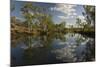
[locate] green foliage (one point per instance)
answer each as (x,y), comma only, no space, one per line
(38,21)
(89,13)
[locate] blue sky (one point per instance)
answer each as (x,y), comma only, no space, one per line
(60,12)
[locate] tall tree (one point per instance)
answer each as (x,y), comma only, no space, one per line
(32,14)
(27,15)
(89,14)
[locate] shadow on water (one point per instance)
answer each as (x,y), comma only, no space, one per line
(50,49)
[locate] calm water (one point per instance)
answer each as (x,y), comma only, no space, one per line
(50,49)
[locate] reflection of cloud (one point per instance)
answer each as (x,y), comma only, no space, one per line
(74,48)
(33,45)
(66,54)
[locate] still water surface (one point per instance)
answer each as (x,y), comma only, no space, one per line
(50,49)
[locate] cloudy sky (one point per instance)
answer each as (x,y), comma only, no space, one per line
(60,12)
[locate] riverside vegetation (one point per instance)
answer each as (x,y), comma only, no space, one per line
(39,22)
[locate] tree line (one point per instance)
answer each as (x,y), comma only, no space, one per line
(38,21)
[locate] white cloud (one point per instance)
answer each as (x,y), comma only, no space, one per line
(63,17)
(68,10)
(64,8)
(74,14)
(82,18)
(20,18)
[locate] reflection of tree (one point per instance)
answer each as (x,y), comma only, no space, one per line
(65,54)
(16,39)
(37,47)
(13,60)
(28,53)
(90,48)
(30,41)
(81,50)
(36,54)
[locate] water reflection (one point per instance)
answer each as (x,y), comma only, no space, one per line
(55,48)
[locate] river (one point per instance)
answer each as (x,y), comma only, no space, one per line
(51,49)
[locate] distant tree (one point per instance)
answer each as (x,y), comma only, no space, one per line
(78,21)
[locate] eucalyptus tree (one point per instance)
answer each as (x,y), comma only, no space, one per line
(83,25)
(61,26)
(27,15)
(48,24)
(35,15)
(89,14)
(30,13)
